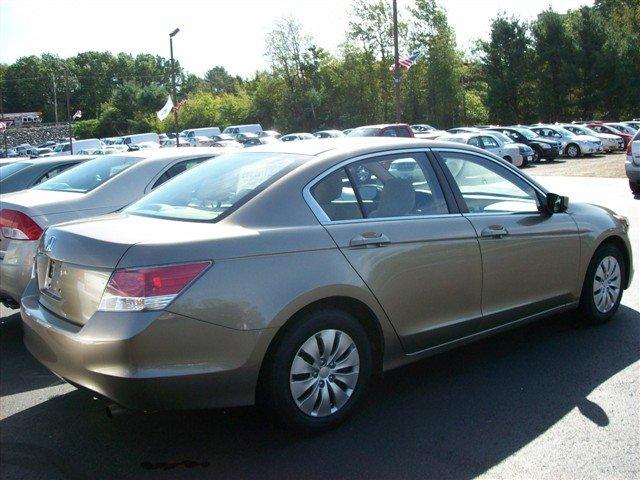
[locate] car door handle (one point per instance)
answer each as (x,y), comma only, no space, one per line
(494,231)
(369,239)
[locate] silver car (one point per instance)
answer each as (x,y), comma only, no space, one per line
(573,145)
(292,274)
(610,142)
(491,142)
(103,185)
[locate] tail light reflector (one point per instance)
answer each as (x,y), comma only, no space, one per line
(18,226)
(148,288)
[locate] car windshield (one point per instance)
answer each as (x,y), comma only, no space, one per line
(528,134)
(207,191)
(624,128)
(89,175)
(7,170)
(564,132)
(363,132)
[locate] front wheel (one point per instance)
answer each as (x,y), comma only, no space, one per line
(635,187)
(573,150)
(603,284)
(319,371)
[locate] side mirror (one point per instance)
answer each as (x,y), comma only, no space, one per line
(557,203)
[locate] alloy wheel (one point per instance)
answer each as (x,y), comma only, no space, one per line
(572,151)
(606,284)
(324,373)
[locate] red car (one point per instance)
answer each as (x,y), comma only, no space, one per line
(384,130)
(603,128)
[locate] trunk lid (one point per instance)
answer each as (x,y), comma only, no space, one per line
(40,202)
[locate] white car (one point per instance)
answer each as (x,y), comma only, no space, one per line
(487,141)
(96,187)
(525,152)
(423,130)
(632,164)
(78,145)
(573,145)
(293,137)
(610,142)
(138,138)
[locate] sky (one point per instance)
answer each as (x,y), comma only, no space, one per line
(212,32)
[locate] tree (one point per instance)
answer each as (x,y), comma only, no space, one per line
(554,57)
(218,80)
(507,61)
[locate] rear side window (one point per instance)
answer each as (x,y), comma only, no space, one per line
(7,170)
(177,169)
(384,187)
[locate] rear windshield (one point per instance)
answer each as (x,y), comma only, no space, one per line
(208,190)
(6,170)
(89,175)
(363,132)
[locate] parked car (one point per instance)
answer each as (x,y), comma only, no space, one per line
(422,130)
(30,172)
(347,131)
(235,129)
(291,137)
(610,142)
(635,124)
(543,148)
(45,152)
(102,185)
(269,133)
(623,128)
(384,130)
(78,145)
(526,155)
(485,140)
(243,137)
(602,128)
(198,132)
(329,134)
(347,279)
(8,153)
(573,145)
(252,142)
(632,164)
(463,130)
(139,138)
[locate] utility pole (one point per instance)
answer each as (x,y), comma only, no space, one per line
(55,96)
(396,70)
(173,85)
(2,120)
(66,87)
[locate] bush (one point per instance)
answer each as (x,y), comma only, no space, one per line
(85,129)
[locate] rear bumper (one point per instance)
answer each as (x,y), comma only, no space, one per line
(148,360)
(15,268)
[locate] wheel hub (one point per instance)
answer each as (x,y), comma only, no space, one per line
(324,373)
(606,284)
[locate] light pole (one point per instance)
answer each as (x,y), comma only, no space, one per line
(173,85)
(396,70)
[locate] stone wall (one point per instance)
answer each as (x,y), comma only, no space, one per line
(33,135)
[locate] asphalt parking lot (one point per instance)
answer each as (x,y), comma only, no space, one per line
(549,400)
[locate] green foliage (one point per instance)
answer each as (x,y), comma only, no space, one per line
(85,128)
(582,64)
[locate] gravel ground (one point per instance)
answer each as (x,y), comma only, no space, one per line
(610,165)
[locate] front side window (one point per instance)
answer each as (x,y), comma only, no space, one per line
(488,187)
(206,192)
(88,175)
(475,141)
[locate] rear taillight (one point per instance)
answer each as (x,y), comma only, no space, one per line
(148,288)
(18,226)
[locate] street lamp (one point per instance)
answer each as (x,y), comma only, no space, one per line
(173,85)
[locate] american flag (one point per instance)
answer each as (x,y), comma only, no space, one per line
(406,62)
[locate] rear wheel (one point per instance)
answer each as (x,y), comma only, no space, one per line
(603,284)
(319,371)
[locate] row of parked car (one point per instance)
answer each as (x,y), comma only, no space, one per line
(147,277)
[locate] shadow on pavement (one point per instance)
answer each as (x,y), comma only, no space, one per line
(454,415)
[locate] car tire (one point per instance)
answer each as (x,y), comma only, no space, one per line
(592,309)
(537,155)
(572,150)
(635,187)
(302,361)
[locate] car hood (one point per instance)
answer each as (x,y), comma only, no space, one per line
(40,202)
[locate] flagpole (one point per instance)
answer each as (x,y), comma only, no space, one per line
(396,70)
(173,85)
(66,86)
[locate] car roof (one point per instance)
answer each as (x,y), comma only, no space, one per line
(383,125)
